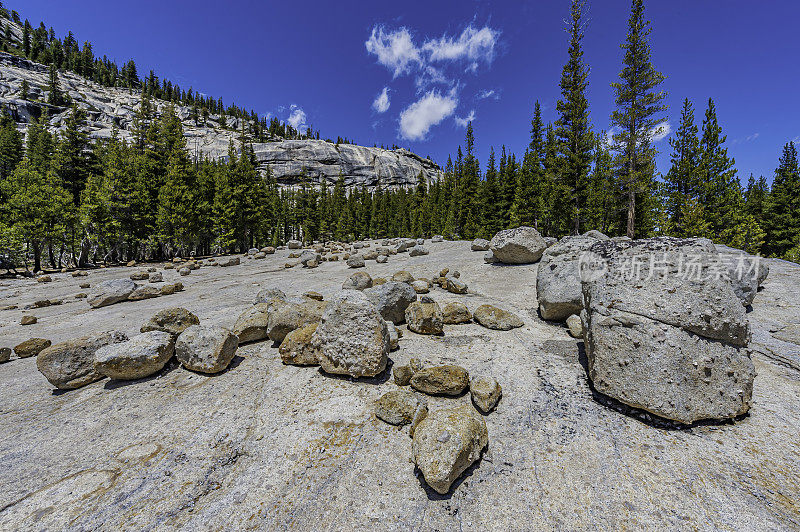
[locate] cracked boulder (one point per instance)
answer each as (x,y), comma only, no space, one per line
(69,365)
(659,339)
(558,280)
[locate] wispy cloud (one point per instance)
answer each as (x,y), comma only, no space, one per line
(418,118)
(297,118)
(394,49)
(381,103)
(462,122)
(660,132)
(473,45)
(488,93)
(752,137)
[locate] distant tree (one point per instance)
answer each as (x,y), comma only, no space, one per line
(783,206)
(638,113)
(683,178)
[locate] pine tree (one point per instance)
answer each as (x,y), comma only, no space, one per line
(71,162)
(54,97)
(10,146)
(572,128)
(638,113)
(720,188)
(470,181)
(527,208)
(683,177)
(783,206)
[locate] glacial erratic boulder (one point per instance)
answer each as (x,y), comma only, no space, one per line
(137,358)
(290,315)
(425,316)
(111,292)
(496,318)
(297,348)
(398,407)
(558,279)
(523,245)
(665,339)
(358,281)
(352,337)
(446,443)
(172,320)
(69,365)
(392,299)
(206,348)
(441,380)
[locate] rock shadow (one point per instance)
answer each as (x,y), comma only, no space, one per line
(114,384)
(381,378)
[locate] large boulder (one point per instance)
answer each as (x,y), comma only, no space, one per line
(392,299)
(425,316)
(111,292)
(253,324)
(446,443)
(355,261)
(523,245)
(746,273)
(139,357)
(171,320)
(291,315)
(297,348)
(352,338)
(558,280)
(664,337)
(206,348)
(69,365)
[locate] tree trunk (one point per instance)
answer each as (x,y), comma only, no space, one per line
(86,247)
(37,257)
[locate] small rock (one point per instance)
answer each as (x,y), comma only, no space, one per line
(489,258)
(485,393)
(44,279)
(111,292)
(437,238)
(456,286)
(206,348)
(398,407)
(358,281)
(382,259)
(418,251)
(140,275)
(403,374)
(28,320)
(184,271)
(455,314)
(140,357)
(446,443)
(171,288)
(441,380)
(32,347)
(80,273)
(144,292)
(424,317)
(5,354)
(575,326)
(42,303)
(228,261)
(156,277)
(316,296)
(420,287)
(81,295)
(495,318)
(294,244)
(84,286)
(403,277)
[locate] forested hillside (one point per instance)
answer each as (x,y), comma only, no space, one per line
(65,198)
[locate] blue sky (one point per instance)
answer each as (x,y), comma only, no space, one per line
(412,72)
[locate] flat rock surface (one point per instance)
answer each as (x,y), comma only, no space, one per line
(269,446)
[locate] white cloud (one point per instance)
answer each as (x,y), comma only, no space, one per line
(381,103)
(660,132)
(297,118)
(753,137)
(462,122)
(418,118)
(473,45)
(486,93)
(395,50)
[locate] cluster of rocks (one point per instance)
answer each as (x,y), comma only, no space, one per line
(116,291)
(170,333)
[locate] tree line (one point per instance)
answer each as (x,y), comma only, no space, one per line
(65,200)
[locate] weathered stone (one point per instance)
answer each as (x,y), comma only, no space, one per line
(456,313)
(495,318)
(446,443)
(294,244)
(44,279)
(253,324)
(358,281)
(485,392)
(424,316)
(155,277)
(28,320)
(480,244)
(84,285)
(352,337)
(597,235)
(558,280)
(394,335)
(206,348)
(111,292)
(523,245)
(268,294)
(355,261)
(421,287)
(403,277)
(70,364)
(171,288)
(575,326)
(144,292)
(665,342)
(139,357)
(455,286)
(392,299)
(297,348)
(418,251)
(5,354)
(382,259)
(441,380)
(290,316)
(141,275)
(31,347)
(308,256)
(398,407)
(437,238)
(172,320)
(316,296)
(228,261)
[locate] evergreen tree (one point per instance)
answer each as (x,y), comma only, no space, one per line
(572,128)
(470,181)
(10,146)
(783,206)
(720,189)
(637,115)
(683,177)
(528,205)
